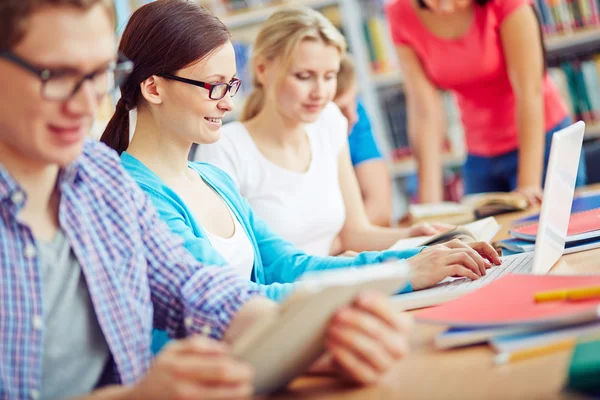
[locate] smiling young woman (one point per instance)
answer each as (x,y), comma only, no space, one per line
(180,100)
(289,154)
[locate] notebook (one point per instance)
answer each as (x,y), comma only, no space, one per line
(582,226)
(582,202)
(507,343)
(458,337)
(513,246)
(509,302)
(554,220)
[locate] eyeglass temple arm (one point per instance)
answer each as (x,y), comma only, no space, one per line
(19,61)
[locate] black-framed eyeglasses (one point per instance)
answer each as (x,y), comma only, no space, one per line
(216,91)
(60,85)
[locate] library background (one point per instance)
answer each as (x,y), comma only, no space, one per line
(571,34)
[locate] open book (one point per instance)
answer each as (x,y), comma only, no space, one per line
(479,231)
(285,344)
(471,207)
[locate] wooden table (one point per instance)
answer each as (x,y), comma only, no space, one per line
(467,373)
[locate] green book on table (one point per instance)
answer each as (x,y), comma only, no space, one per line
(584,371)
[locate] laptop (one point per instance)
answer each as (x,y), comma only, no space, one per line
(559,189)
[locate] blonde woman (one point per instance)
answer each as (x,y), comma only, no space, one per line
(289,154)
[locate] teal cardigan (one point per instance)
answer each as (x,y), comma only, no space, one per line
(277,263)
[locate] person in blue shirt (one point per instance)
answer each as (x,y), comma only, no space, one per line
(182,100)
(369,165)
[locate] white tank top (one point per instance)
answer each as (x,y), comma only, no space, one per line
(306,208)
(236,250)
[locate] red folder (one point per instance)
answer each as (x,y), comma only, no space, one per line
(582,226)
(509,302)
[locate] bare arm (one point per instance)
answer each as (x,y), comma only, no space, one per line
(425,125)
(375,185)
(524,59)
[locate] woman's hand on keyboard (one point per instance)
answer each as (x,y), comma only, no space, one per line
(454,258)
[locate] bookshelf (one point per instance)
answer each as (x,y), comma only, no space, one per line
(563,42)
(559,47)
(592,131)
(255,16)
(389,78)
(555,44)
(408,166)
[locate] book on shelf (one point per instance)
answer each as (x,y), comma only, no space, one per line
(578,81)
(567,16)
(394,107)
(375,30)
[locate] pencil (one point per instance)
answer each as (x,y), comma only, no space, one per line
(526,354)
(583,293)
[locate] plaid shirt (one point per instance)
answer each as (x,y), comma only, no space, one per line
(135,269)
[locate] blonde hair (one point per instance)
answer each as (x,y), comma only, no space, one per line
(279,36)
(346,76)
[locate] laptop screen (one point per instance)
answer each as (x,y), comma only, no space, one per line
(559,188)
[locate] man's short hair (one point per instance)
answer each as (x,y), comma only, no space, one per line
(346,76)
(14,15)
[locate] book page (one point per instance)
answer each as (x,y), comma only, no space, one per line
(483,231)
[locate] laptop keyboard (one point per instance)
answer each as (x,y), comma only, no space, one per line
(517,264)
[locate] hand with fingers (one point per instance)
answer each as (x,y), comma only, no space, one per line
(195,368)
(533,194)
(428,229)
(366,337)
(454,258)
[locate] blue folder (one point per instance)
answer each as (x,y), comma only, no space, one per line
(516,246)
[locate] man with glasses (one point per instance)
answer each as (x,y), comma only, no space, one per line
(87,268)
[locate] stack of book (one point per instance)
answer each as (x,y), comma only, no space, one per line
(521,316)
(583,233)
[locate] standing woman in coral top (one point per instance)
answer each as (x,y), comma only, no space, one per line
(490,55)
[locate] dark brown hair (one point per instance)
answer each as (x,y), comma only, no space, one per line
(15,13)
(161,37)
